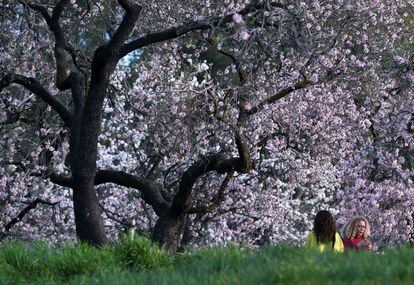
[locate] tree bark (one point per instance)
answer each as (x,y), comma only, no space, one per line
(169,229)
(88,217)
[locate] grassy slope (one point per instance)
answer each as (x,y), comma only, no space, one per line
(137,262)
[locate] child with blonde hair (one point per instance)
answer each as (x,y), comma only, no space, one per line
(355,234)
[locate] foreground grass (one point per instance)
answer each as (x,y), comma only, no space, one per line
(138,262)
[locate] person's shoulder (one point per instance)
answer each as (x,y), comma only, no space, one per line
(311,240)
(338,237)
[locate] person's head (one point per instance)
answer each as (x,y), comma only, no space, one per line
(358,227)
(324,227)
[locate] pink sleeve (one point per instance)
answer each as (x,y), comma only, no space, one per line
(347,242)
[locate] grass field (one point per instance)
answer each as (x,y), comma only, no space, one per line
(139,262)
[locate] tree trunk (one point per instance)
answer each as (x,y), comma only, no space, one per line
(88,218)
(169,229)
(187,234)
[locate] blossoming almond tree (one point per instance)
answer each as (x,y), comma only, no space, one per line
(88,90)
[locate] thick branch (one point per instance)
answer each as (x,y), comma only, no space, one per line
(149,192)
(62,180)
(39,8)
(181,202)
(57,12)
(181,30)
(243,150)
(62,79)
(127,25)
(36,88)
(108,55)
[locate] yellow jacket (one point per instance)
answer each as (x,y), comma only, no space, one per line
(311,243)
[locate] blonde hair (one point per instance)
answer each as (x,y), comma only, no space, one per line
(349,229)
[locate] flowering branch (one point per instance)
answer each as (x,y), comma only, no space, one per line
(23,213)
(183,29)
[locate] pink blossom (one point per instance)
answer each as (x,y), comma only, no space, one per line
(237,18)
(244,35)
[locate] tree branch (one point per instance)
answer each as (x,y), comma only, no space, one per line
(241,143)
(115,217)
(59,179)
(217,200)
(36,88)
(243,150)
(221,164)
(39,8)
(62,79)
(23,213)
(181,30)
(127,25)
(282,93)
(149,192)
(109,54)
(75,54)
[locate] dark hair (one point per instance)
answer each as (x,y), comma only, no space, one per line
(324,227)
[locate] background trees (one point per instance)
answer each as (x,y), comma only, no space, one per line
(233,121)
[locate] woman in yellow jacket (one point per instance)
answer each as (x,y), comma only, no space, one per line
(324,236)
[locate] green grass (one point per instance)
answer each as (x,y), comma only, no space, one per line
(139,262)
